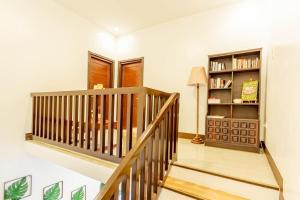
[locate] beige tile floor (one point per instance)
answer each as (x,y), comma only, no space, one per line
(239,164)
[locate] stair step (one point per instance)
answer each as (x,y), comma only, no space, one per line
(197,191)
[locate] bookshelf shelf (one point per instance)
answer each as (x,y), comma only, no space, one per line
(239,127)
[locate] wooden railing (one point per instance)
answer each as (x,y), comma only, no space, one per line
(146,165)
(100,123)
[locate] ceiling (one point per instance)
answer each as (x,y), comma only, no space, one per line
(123,16)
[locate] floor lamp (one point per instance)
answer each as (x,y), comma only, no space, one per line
(197,78)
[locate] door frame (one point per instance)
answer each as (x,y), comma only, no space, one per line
(103,59)
(130,61)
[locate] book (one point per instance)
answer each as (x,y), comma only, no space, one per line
(228,84)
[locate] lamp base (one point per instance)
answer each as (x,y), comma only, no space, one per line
(197,140)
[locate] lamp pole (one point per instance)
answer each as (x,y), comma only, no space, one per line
(197,139)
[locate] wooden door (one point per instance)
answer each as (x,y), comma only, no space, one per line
(100,71)
(131,74)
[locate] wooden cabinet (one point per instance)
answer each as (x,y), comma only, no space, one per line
(238,132)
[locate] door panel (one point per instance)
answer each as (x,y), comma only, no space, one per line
(131,75)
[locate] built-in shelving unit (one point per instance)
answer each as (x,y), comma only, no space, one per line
(239,129)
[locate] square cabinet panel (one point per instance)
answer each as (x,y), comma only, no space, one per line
(252,133)
(225,138)
(211,122)
(235,132)
(210,136)
(252,141)
(218,130)
(211,129)
(225,130)
(235,124)
(243,125)
(217,137)
(218,123)
(243,132)
(235,139)
(225,123)
(243,140)
(252,125)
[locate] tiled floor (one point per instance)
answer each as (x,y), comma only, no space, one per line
(238,164)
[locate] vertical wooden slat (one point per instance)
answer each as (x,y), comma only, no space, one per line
(171,131)
(176,127)
(45,118)
(149,109)
(49,117)
(69,120)
(87,139)
(149,171)
(129,122)
(58,119)
(141,113)
(155,158)
(34,115)
(110,124)
(41,116)
(75,121)
(124,188)
(81,120)
(162,149)
(94,123)
(133,181)
(142,175)
(102,123)
(63,119)
(120,125)
(167,141)
(53,121)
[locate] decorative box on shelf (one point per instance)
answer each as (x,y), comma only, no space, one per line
(213,101)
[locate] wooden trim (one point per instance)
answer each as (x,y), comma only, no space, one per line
(275,170)
(232,146)
(226,176)
(129,61)
(28,136)
(185,135)
(104,59)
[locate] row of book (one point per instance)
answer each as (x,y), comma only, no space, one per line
(245,63)
(217,66)
(217,83)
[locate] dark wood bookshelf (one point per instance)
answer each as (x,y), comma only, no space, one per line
(239,129)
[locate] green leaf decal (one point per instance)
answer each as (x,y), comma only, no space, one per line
(79,195)
(17,190)
(53,193)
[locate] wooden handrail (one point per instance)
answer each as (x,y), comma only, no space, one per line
(101,123)
(163,130)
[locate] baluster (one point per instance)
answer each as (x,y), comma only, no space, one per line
(49,117)
(41,116)
(94,123)
(156,151)
(120,126)
(102,123)
(75,122)
(133,181)
(149,109)
(167,141)
(69,121)
(176,127)
(110,124)
(141,113)
(58,115)
(53,125)
(63,119)
(81,121)
(162,149)
(45,118)
(142,175)
(87,138)
(149,171)
(33,115)
(124,188)
(129,123)
(171,131)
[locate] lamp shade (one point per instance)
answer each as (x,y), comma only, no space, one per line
(197,76)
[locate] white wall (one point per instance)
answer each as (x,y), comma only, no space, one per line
(283,94)
(42,47)
(173,48)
